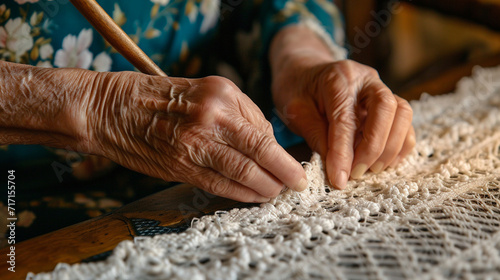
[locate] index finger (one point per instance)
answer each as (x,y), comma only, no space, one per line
(263,149)
(381,105)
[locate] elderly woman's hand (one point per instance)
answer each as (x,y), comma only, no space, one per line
(342,108)
(201,131)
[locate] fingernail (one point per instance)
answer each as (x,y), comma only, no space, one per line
(302,185)
(341,180)
(377,167)
(262,199)
(359,170)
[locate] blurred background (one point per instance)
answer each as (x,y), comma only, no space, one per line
(411,42)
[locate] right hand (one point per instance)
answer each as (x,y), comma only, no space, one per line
(200,131)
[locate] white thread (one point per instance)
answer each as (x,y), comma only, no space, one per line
(436,216)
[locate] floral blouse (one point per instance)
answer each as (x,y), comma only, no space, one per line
(189,38)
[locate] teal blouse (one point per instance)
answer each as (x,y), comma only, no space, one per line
(189,38)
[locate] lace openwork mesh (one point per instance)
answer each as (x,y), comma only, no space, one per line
(436,216)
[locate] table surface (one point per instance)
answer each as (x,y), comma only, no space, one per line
(166,211)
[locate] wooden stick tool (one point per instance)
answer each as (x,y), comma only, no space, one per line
(116,37)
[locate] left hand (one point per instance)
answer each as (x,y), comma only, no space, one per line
(344,112)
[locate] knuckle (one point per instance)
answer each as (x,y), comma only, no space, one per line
(215,80)
(257,143)
(374,149)
(268,128)
(386,100)
(345,121)
(219,85)
(334,73)
(352,67)
(372,72)
(337,82)
(217,93)
(347,63)
(265,148)
(195,156)
(405,108)
(207,153)
(342,156)
(360,68)
(219,187)
(245,172)
(341,75)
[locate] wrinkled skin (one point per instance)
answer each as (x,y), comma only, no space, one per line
(200,131)
(342,108)
(206,131)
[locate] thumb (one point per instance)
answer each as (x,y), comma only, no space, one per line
(304,119)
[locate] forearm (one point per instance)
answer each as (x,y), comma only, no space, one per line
(295,44)
(40,105)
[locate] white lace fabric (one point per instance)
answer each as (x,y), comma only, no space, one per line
(436,216)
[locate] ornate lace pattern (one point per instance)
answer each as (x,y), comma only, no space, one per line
(437,216)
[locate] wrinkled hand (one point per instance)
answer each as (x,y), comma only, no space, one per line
(346,113)
(201,131)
